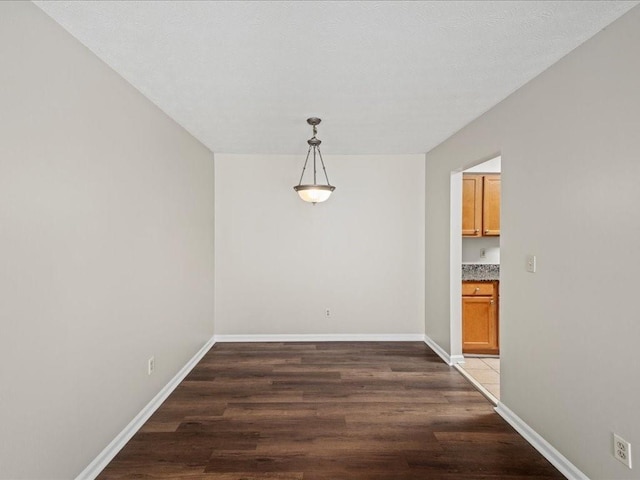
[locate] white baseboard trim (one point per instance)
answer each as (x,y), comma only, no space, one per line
(111,450)
(547,450)
(322,337)
(488,395)
(448,359)
(456,359)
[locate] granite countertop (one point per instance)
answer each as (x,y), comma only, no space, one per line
(480,272)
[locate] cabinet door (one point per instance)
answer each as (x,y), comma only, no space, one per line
(479,325)
(471,205)
(491,205)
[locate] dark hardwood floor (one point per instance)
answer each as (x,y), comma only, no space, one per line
(327,411)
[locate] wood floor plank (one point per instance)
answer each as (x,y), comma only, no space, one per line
(327,411)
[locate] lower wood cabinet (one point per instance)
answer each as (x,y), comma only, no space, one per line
(480,318)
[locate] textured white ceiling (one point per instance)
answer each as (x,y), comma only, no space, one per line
(385,77)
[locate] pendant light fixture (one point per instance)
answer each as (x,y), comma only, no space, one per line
(314,192)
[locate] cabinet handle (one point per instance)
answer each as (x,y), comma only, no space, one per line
(486,231)
(476,231)
(491,302)
(477,289)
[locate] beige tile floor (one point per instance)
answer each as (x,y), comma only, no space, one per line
(486,371)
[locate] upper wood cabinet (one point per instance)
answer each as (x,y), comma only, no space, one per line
(480,205)
(471,205)
(491,205)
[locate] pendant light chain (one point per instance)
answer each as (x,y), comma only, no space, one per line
(305,165)
(324,168)
(314,163)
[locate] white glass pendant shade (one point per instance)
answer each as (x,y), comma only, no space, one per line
(314,193)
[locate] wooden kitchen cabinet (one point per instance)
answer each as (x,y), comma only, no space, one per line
(480,318)
(472,205)
(480,205)
(491,205)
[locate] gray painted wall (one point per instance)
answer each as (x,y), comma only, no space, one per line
(106,234)
(280,262)
(569,333)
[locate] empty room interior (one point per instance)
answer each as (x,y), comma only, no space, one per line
(236,242)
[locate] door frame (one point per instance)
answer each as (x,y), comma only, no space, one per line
(455,258)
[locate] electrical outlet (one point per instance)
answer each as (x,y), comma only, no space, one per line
(531,263)
(327,313)
(483,253)
(622,450)
(151,365)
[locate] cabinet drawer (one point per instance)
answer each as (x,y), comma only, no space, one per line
(477,288)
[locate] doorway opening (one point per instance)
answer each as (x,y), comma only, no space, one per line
(475,274)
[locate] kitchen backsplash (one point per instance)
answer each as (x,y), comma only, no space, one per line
(471,250)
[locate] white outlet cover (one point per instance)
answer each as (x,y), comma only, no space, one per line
(622,450)
(531,263)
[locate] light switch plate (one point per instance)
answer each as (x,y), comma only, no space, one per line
(531,263)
